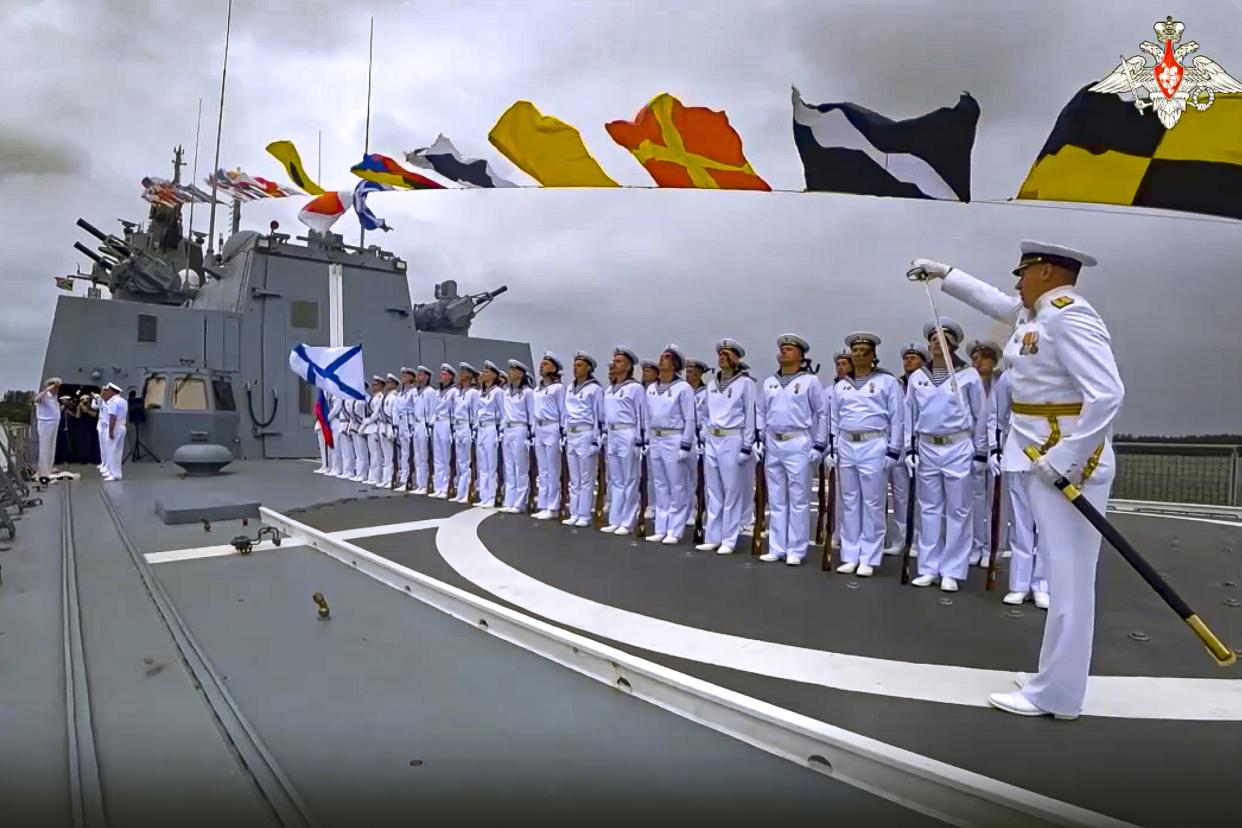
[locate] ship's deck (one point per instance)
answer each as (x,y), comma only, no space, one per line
(345,706)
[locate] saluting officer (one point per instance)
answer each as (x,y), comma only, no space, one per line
(728,417)
(625,423)
(791,413)
(1066,393)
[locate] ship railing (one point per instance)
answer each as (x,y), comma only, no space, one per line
(1199,474)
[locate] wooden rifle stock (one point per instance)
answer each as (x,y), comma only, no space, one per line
(700,505)
(500,470)
(761,507)
(996,528)
(472,494)
(601,480)
(452,472)
(821,518)
(564,513)
(905,551)
(830,521)
(642,493)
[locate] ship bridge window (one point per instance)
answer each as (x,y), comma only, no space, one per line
(306,398)
(148,325)
(153,391)
(222,390)
(304,314)
(189,394)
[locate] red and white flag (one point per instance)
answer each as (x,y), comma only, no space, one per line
(321,212)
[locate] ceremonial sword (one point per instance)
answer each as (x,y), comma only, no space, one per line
(919,274)
(1222,655)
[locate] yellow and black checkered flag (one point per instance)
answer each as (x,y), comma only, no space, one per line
(1103,150)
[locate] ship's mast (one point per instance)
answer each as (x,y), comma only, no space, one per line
(198,131)
(366,141)
(224,71)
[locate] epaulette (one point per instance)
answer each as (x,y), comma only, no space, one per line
(1062,302)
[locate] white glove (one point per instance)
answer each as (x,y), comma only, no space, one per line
(743,458)
(817,456)
(924,269)
(830,461)
(642,449)
(890,461)
(759,451)
(912,462)
(603,439)
(683,455)
(1044,470)
(994,468)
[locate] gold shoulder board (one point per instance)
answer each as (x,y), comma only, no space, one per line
(1062,302)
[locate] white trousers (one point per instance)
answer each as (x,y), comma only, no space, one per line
(441,445)
(836,523)
(787,466)
(323,448)
(583,459)
(47,444)
(622,460)
(488,462)
(548,455)
(672,498)
(344,453)
(1025,563)
(899,482)
(980,515)
(404,438)
(860,479)
(362,457)
(945,495)
(1070,547)
(726,488)
(517,467)
(116,452)
(375,459)
(421,441)
(464,440)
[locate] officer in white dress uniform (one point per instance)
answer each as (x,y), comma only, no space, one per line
(518,417)
(950,438)
(791,414)
(843,363)
(1026,565)
(441,411)
(423,411)
(407,399)
(696,369)
(583,427)
(670,438)
(112,415)
(983,357)
(650,370)
(868,422)
(465,425)
(913,357)
(388,431)
(625,423)
(47,420)
(728,428)
(1066,393)
(487,434)
(549,438)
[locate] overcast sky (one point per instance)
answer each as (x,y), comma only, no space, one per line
(98,92)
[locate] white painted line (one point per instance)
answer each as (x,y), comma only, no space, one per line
(387,529)
(940,790)
(1127,697)
(221,550)
(1214,521)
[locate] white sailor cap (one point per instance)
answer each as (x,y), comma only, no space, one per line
(376,378)
(114,387)
(915,348)
(422,369)
(444,366)
(466,366)
(585,357)
(52,381)
(406,370)
(733,345)
(952,331)
(700,364)
(627,353)
(846,355)
(650,363)
(521,366)
(862,336)
(984,345)
(391,377)
(488,365)
(554,359)
(1035,252)
(794,340)
(678,357)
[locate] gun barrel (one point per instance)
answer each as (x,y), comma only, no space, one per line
(90,254)
(498,291)
(92,229)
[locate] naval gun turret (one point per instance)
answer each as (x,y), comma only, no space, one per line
(452,313)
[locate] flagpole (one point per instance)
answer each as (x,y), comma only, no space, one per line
(319,174)
(224,71)
(366,145)
(198,131)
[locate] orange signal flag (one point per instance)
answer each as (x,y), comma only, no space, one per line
(687,146)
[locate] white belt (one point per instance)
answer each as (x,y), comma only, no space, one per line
(461,422)
(515,424)
(782,436)
(666,432)
(548,422)
(578,429)
(944,439)
(861,436)
(621,426)
(724,432)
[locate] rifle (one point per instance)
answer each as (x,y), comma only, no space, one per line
(500,470)
(532,499)
(700,506)
(473,493)
(825,564)
(431,459)
(905,552)
(996,527)
(642,494)
(452,471)
(564,513)
(601,480)
(821,518)
(761,507)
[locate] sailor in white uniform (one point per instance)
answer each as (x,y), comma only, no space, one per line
(950,438)
(696,369)
(440,410)
(984,357)
(1026,565)
(336,465)
(465,425)
(670,430)
(868,428)
(362,456)
(728,428)
(583,427)
(407,398)
(913,357)
(625,423)
(47,421)
(843,363)
(791,413)
(422,411)
(1066,393)
(371,430)
(518,418)
(549,439)
(113,411)
(488,415)
(650,371)
(388,431)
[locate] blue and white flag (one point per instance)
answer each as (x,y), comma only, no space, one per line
(366,218)
(443,158)
(334,370)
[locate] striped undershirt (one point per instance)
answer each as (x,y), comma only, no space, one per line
(785,379)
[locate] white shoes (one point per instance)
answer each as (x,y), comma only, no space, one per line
(655,538)
(1042,600)
(948,584)
(724,550)
(321,471)
(622,530)
(707,547)
(1015,598)
(583,523)
(670,539)
(609,529)
(569,521)
(865,570)
(1019,705)
(543,515)
(847,568)
(924,581)
(895,549)
(793,561)
(770,557)
(1020,679)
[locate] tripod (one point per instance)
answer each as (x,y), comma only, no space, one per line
(135,452)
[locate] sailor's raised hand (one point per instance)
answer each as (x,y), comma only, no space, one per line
(922,270)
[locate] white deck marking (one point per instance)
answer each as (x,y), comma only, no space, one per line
(1127,697)
(221,550)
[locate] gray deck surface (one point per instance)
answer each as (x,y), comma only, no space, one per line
(1149,772)
(345,705)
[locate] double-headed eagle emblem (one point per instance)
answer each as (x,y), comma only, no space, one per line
(1170,85)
